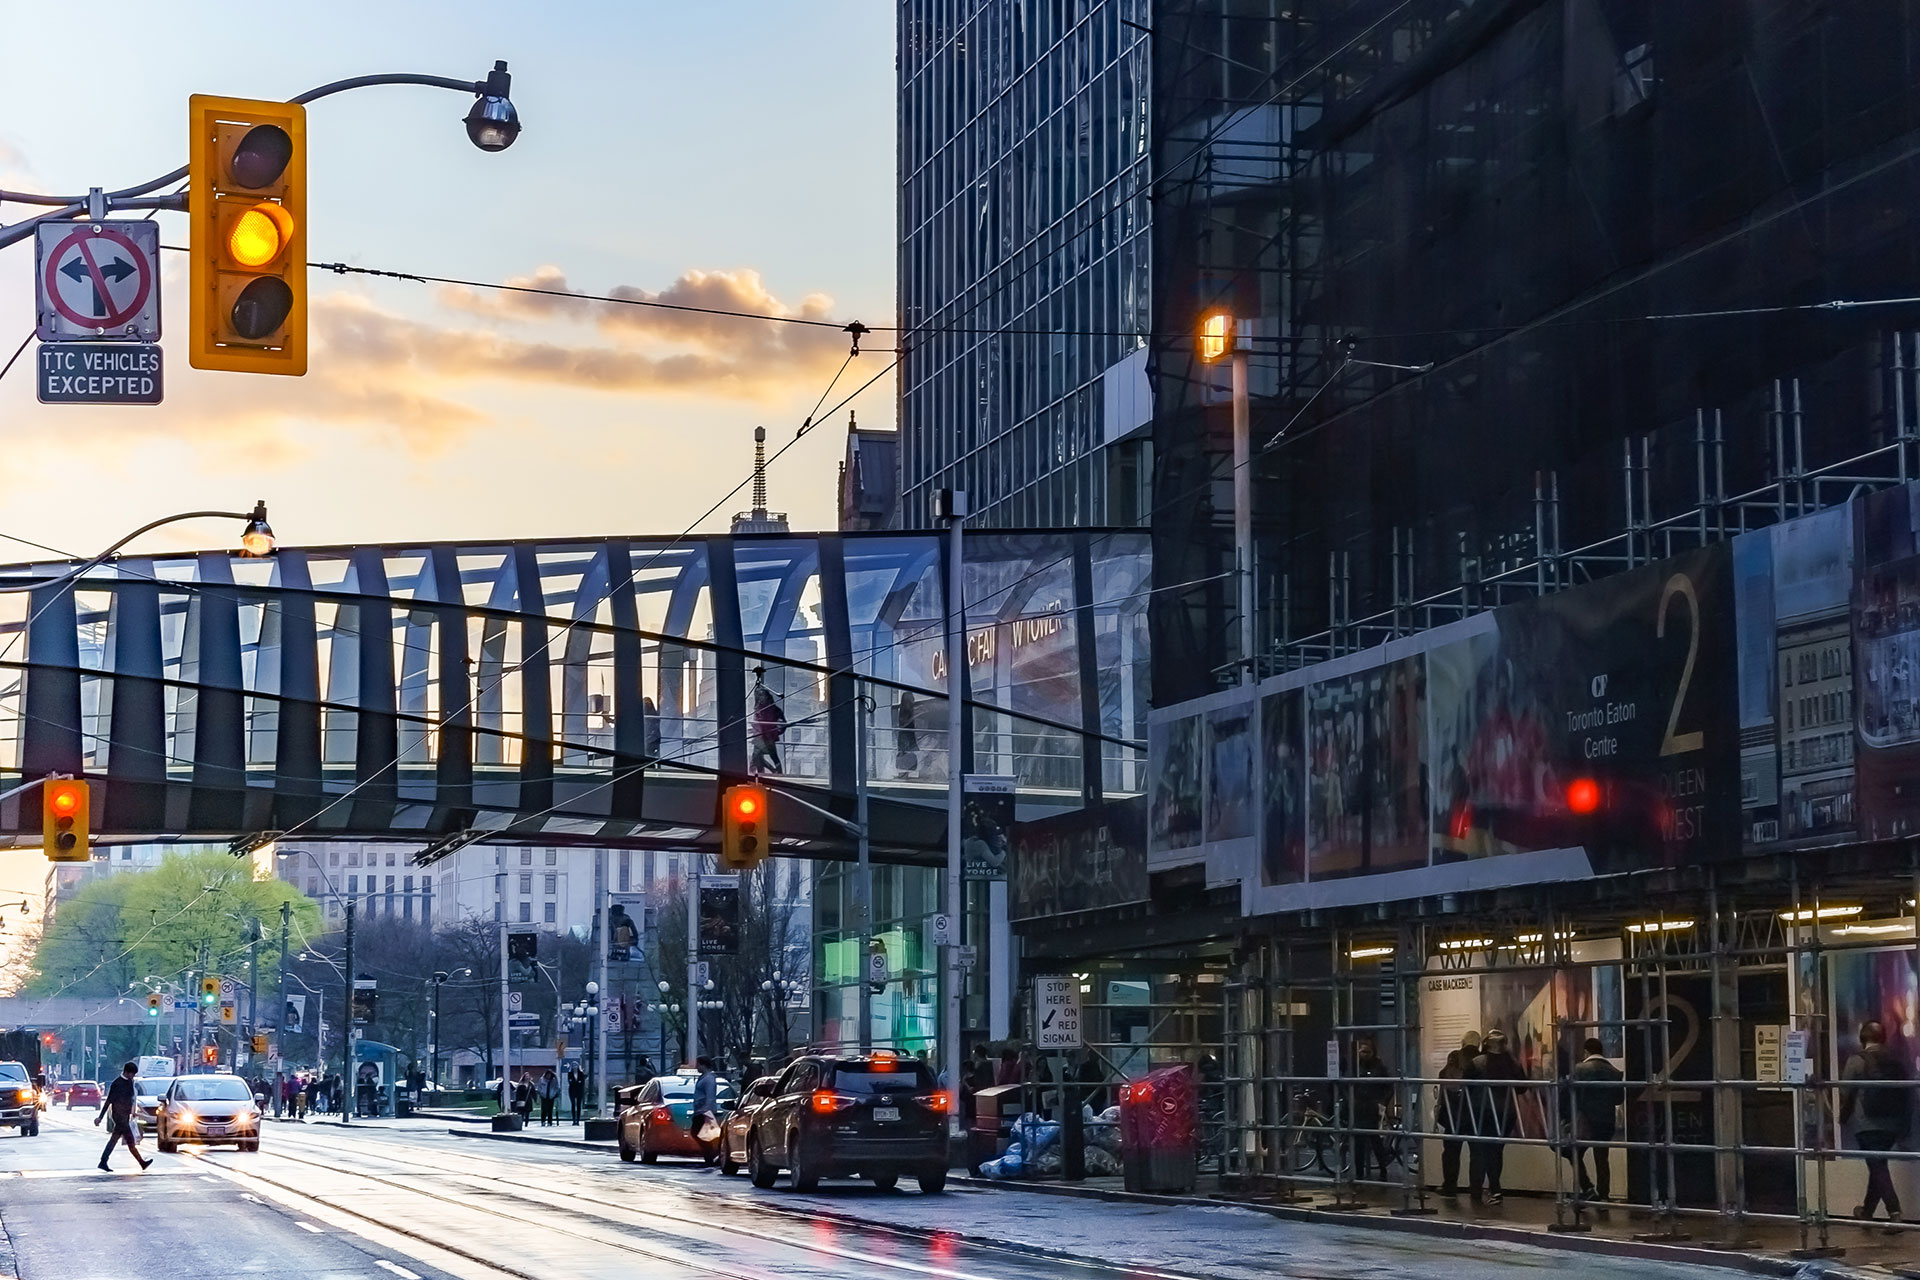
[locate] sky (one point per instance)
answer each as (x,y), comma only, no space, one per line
(737,155)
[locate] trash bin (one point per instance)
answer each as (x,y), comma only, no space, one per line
(994,1108)
(1160,1131)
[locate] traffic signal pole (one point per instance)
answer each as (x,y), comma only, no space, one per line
(280,1014)
(863,876)
(347,1090)
(955,503)
(694,864)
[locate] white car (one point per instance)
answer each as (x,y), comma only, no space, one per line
(147,1094)
(211,1109)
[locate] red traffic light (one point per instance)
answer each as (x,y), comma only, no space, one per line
(746,804)
(1583,795)
(64,799)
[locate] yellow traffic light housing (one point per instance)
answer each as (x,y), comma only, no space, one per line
(209,990)
(65,820)
(153,1004)
(247,206)
(259,1043)
(743,827)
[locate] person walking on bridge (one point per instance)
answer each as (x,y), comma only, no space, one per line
(119,1104)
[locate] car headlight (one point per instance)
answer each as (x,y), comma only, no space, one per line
(185,1117)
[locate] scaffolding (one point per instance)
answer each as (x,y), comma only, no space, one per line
(1723,1127)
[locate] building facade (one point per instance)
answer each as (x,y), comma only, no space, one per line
(1024,263)
(1583,521)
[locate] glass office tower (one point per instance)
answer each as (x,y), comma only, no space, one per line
(1023,274)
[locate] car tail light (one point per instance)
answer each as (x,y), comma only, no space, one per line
(662,1115)
(826,1102)
(937,1101)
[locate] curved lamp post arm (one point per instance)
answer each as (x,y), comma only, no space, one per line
(495,85)
(258,513)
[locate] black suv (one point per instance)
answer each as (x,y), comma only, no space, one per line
(833,1115)
(19,1100)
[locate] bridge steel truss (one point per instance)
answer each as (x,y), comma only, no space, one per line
(583,691)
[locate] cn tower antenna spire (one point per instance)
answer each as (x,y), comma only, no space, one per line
(760,473)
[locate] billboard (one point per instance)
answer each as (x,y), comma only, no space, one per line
(986,818)
(1080,860)
(1828,620)
(719,915)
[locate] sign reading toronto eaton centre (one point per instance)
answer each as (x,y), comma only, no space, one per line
(99,373)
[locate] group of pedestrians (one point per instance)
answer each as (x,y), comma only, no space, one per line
(544,1092)
(1479,1109)
(304,1091)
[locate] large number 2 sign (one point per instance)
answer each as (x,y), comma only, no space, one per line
(1680,586)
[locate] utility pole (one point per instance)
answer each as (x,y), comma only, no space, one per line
(200,1004)
(253,986)
(954,508)
(603,901)
(863,877)
(280,1016)
(347,1089)
(695,864)
(506,1035)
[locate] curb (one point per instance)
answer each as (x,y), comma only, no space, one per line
(1757,1263)
(573,1143)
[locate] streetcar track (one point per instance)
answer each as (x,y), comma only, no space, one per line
(618,1235)
(920,1234)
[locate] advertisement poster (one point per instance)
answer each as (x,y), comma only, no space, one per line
(295,1019)
(719,915)
(623,929)
(1079,861)
(986,826)
(1886,645)
(1876,986)
(1230,748)
(1367,780)
(1283,777)
(1626,684)
(1175,759)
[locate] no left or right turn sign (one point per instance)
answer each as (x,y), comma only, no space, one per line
(97,280)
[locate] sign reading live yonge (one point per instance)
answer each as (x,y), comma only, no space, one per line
(1753,694)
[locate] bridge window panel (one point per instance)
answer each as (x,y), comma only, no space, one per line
(177,695)
(330,572)
(1121,579)
(494,646)
(339,642)
(689,729)
(405,574)
(416,663)
(895,614)
(91,610)
(480,574)
(1023,659)
(254,573)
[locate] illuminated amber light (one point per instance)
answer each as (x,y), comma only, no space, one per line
(1214,331)
(65,801)
(258,235)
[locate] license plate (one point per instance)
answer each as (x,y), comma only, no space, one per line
(216,1128)
(886,1113)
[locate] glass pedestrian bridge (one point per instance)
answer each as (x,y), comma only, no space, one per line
(594,691)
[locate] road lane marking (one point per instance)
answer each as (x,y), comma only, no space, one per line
(308,1226)
(397,1269)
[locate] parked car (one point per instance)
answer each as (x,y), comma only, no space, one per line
(739,1123)
(877,1116)
(656,1117)
(82,1093)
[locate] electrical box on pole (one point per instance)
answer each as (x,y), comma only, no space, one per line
(247,209)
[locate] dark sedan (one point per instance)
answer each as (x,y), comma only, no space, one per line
(734,1132)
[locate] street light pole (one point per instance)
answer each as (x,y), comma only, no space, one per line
(492,125)
(280,1015)
(953,508)
(1243,507)
(349,1089)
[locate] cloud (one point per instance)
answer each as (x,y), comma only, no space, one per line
(689,358)
(730,335)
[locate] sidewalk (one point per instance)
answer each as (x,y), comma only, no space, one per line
(1762,1248)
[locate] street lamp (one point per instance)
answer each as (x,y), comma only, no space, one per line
(492,124)
(440,977)
(256,540)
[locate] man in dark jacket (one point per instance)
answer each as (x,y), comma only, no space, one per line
(1453,1116)
(1880,1116)
(1597,1093)
(1494,1105)
(576,1091)
(1370,1092)
(119,1104)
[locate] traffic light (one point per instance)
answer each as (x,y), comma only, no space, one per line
(153,1004)
(209,990)
(210,1055)
(743,827)
(259,1042)
(247,206)
(65,819)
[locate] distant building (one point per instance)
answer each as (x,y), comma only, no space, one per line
(870,478)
